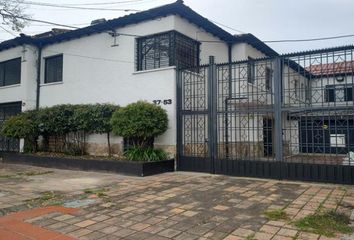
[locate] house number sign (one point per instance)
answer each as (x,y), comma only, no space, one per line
(163,102)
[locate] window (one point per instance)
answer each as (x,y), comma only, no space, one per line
(338,93)
(302,91)
(296,88)
(251,73)
(268,78)
(54,69)
(10,72)
(167,49)
(307,92)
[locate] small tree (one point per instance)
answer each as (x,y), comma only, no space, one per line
(103,125)
(56,121)
(140,122)
(22,126)
(95,118)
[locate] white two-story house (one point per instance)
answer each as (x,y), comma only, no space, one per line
(117,61)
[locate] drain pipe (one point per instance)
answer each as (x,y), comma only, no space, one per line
(39,64)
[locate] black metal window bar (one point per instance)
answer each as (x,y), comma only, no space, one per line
(295,121)
(167,49)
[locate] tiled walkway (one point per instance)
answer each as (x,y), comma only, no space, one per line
(178,206)
(14,227)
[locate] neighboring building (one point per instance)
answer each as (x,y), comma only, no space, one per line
(118,61)
(332,86)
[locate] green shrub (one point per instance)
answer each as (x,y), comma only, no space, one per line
(71,123)
(146,154)
(23,126)
(57,120)
(140,122)
(95,118)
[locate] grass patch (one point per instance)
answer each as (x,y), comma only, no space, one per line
(48,198)
(251,237)
(100,192)
(6,176)
(277,214)
(327,224)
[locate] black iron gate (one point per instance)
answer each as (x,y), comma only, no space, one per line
(7,110)
(288,117)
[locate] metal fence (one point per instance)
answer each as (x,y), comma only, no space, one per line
(7,110)
(288,117)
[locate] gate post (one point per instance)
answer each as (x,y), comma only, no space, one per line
(212,113)
(278,121)
(179,117)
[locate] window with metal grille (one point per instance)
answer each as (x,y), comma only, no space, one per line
(167,49)
(338,93)
(10,72)
(251,71)
(268,78)
(54,69)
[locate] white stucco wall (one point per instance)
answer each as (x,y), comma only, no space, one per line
(24,92)
(96,72)
(210,45)
(242,51)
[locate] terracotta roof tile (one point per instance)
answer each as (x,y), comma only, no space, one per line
(331,68)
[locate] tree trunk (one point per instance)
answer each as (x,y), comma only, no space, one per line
(109,144)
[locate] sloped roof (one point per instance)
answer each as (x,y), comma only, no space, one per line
(331,68)
(176,8)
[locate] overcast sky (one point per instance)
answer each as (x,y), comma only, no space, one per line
(266,19)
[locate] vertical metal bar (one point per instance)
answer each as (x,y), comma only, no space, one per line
(226,109)
(278,112)
(179,116)
(212,114)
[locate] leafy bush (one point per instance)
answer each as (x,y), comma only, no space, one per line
(95,118)
(57,120)
(22,126)
(148,154)
(140,122)
(71,124)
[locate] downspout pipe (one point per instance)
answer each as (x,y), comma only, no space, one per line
(39,64)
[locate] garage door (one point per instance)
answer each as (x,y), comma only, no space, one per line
(7,110)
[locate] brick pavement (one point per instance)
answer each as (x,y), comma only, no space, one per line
(178,206)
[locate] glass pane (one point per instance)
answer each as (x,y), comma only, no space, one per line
(12,71)
(54,69)
(2,79)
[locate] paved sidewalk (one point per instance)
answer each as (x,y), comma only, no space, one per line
(179,206)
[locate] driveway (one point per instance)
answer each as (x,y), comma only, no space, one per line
(41,203)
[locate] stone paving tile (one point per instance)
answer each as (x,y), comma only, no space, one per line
(181,206)
(85,223)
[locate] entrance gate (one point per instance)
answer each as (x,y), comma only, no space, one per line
(7,110)
(288,117)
